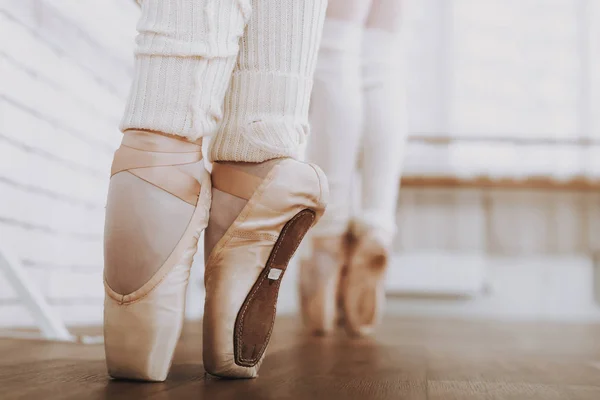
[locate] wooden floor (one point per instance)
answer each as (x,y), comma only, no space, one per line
(408,359)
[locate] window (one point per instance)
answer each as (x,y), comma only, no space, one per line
(504,88)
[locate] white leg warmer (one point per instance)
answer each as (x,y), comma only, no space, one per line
(336,119)
(185,53)
(266,106)
(385,129)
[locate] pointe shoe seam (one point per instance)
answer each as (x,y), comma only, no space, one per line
(232,231)
(228,236)
(254,235)
(146,288)
(149,158)
(328,298)
(172,159)
(163,152)
(164,270)
(158,187)
(147,291)
(320,183)
(243,215)
(258,284)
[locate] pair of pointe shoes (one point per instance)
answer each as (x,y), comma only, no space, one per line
(342,283)
(142,323)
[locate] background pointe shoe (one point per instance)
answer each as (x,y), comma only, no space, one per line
(320,279)
(363,292)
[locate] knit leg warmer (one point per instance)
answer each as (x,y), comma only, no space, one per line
(185,53)
(266,106)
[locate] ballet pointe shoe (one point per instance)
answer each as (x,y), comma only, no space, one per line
(142,323)
(320,278)
(244,270)
(363,294)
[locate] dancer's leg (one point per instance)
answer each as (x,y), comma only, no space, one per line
(185,54)
(382,155)
(336,117)
(159,193)
(264,199)
(337,108)
(266,106)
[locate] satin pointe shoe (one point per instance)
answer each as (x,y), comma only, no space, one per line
(362,290)
(158,204)
(244,269)
(320,280)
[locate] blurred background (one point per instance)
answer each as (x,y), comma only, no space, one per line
(499,211)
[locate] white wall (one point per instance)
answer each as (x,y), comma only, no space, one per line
(65,67)
(505,254)
(556,288)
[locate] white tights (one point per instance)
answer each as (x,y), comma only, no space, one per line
(358,114)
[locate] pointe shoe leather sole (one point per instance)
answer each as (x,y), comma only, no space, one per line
(254,323)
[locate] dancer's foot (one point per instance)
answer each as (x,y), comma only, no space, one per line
(250,241)
(320,279)
(363,295)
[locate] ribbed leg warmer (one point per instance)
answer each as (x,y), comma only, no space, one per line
(266,106)
(385,130)
(190,81)
(185,53)
(337,117)
(359,105)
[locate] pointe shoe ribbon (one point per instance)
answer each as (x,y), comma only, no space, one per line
(154,158)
